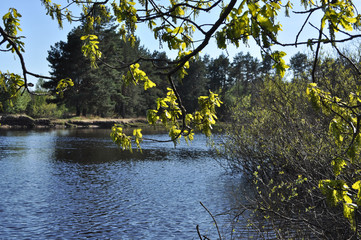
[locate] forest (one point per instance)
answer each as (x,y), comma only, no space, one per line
(104,92)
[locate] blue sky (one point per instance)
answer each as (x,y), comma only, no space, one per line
(42,32)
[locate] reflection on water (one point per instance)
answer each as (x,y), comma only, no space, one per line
(77,184)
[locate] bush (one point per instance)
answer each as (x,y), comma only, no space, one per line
(17,104)
(282,145)
(38,107)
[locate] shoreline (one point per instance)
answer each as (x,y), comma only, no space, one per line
(10,121)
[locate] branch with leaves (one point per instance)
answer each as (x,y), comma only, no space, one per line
(11,83)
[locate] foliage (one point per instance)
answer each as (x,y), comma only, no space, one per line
(17,104)
(10,86)
(124,141)
(194,84)
(90,49)
(299,64)
(344,187)
(39,107)
(295,153)
(218,73)
(136,75)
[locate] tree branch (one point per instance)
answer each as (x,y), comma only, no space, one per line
(214,220)
(208,36)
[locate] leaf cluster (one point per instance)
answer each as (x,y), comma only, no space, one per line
(345,131)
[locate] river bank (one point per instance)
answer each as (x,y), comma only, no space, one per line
(26,122)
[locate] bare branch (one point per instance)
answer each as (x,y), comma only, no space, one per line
(303,25)
(316,55)
(214,220)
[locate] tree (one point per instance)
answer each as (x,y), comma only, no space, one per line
(299,64)
(245,70)
(67,61)
(218,73)
(100,91)
(194,84)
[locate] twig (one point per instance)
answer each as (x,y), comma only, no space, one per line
(304,24)
(199,234)
(317,52)
(214,220)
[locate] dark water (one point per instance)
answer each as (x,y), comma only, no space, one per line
(71,184)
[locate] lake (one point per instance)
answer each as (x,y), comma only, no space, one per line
(71,184)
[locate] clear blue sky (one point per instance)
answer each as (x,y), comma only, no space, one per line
(42,32)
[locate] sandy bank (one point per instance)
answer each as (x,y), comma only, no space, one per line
(24,121)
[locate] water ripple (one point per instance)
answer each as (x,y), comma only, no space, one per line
(71,185)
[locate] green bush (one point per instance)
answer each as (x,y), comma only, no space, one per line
(17,104)
(38,107)
(283,145)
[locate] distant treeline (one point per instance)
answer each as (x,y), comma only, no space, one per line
(103,92)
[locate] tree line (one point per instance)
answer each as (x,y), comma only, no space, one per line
(104,92)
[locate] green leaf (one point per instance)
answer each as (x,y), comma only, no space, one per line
(338,165)
(120,138)
(279,63)
(349,213)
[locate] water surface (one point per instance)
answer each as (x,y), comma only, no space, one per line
(71,184)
